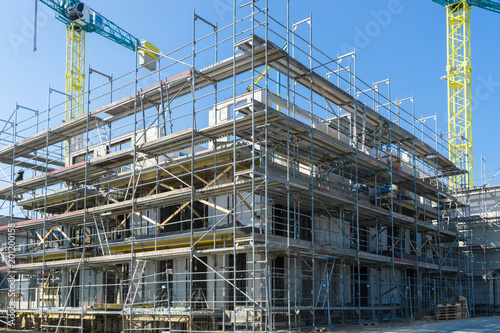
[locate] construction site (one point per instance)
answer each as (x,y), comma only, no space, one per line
(265,186)
(484,202)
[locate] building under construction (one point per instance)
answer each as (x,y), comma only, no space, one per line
(485,227)
(250,183)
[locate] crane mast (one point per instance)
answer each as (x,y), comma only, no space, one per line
(460,148)
(75,80)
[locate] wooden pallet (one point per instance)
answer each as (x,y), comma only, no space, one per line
(465,307)
(441,312)
(449,310)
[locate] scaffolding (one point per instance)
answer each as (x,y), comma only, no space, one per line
(485,226)
(241,186)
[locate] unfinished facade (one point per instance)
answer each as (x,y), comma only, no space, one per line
(243,186)
(485,244)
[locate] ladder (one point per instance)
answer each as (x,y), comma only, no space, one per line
(3,258)
(137,275)
(63,312)
(103,136)
(49,290)
(104,248)
(324,288)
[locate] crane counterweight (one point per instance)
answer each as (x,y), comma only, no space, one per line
(80,14)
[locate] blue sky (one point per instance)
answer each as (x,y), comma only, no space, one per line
(409,45)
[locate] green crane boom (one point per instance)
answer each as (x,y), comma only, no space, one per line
(75,12)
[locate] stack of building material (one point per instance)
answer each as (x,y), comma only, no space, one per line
(441,312)
(465,307)
(449,310)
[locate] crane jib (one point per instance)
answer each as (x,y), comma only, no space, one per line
(79,14)
(89,20)
(491,5)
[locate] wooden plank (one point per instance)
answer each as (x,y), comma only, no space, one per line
(119,225)
(70,206)
(195,212)
(409,240)
(208,203)
(187,203)
(167,186)
(175,213)
(43,241)
(244,201)
(186,169)
(146,218)
(64,235)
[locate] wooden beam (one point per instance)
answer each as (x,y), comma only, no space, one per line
(432,247)
(214,206)
(40,237)
(48,279)
(388,291)
(150,192)
(409,240)
(399,239)
(22,211)
(244,201)
(175,213)
(195,212)
(70,206)
(110,198)
(185,169)
(167,186)
(379,232)
(187,203)
(119,225)
(65,236)
(223,173)
(146,218)
(88,233)
(46,235)
(136,213)
(426,240)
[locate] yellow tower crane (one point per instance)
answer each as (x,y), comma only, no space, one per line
(459,69)
(80,19)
